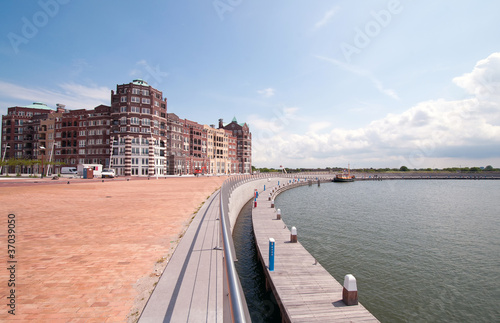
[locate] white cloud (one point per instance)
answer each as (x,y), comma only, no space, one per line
(433,133)
(267,93)
(364,73)
(318,126)
(74,96)
(326,18)
(484,80)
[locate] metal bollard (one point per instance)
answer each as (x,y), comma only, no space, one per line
(271,254)
(269,197)
(350,291)
(278,214)
(293,235)
(272,203)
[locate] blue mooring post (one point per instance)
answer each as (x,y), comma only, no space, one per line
(278,183)
(271,254)
(264,187)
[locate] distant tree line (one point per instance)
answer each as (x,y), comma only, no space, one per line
(488,168)
(24,165)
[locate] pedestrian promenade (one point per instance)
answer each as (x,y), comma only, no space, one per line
(305,291)
(92,250)
(191,286)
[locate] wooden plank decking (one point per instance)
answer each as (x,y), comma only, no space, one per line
(191,287)
(305,291)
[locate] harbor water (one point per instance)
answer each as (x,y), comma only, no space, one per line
(421,250)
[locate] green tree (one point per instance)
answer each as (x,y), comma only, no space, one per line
(488,168)
(403,169)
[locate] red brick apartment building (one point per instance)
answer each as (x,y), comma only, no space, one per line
(241,132)
(135,136)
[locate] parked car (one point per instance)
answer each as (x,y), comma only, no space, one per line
(108,172)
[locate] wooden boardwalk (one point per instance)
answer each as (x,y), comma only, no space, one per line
(191,287)
(305,291)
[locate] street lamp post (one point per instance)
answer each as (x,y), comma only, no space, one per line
(42,148)
(3,157)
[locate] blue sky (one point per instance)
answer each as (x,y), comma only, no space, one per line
(321,83)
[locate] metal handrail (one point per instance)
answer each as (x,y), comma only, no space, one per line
(239,309)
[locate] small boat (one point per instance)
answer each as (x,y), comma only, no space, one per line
(345,176)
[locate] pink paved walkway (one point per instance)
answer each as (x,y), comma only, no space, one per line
(85,250)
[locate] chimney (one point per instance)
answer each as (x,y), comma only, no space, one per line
(221,123)
(60,107)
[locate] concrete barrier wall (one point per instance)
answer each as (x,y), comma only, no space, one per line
(243,193)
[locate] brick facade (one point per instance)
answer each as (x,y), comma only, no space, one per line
(135,136)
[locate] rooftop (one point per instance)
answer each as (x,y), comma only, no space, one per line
(140,82)
(39,105)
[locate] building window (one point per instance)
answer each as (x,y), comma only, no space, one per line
(146,101)
(123,109)
(135,99)
(136,109)
(145,92)
(123,99)
(146,110)
(136,91)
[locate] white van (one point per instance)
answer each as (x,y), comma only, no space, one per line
(68,171)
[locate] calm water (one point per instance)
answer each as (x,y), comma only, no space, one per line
(421,251)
